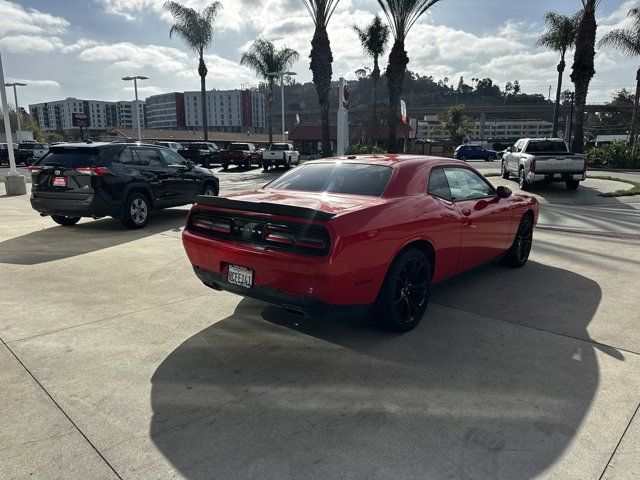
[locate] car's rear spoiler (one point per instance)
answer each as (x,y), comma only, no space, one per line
(265,207)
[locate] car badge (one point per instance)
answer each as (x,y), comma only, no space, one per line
(57,172)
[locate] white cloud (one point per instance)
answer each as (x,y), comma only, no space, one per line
(125,55)
(31,44)
(34,83)
(15,19)
(80,44)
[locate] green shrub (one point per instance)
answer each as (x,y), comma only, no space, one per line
(359,149)
(614,155)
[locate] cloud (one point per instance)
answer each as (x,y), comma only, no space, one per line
(31,44)
(15,19)
(80,44)
(34,83)
(126,55)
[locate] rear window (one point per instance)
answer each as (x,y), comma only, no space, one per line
(279,147)
(197,146)
(547,146)
(239,146)
(348,178)
(68,158)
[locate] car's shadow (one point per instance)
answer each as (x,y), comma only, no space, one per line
(469,394)
(58,242)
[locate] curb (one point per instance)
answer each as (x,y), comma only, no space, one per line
(597,233)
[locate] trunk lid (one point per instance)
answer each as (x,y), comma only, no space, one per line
(559,163)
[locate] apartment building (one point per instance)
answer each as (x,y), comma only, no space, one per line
(429,127)
(166,110)
(227,110)
(127,114)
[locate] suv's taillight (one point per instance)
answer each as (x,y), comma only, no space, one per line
(99,171)
(532,167)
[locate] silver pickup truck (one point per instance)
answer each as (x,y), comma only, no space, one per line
(543,160)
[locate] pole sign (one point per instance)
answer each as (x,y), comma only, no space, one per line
(343,118)
(80,120)
(403,111)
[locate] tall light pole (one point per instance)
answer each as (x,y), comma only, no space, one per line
(281,75)
(135,87)
(15,97)
(14,183)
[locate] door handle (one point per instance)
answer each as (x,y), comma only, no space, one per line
(466,212)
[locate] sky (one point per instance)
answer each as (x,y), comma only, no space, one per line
(64,48)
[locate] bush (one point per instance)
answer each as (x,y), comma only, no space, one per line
(614,155)
(359,149)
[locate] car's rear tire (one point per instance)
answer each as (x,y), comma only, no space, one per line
(210,190)
(491,158)
(463,158)
(572,184)
(65,220)
(136,212)
(522,180)
(404,294)
(504,173)
(520,249)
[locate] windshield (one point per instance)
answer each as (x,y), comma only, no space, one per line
(547,146)
(349,178)
(279,147)
(239,146)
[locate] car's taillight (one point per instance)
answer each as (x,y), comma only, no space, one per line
(586,164)
(99,171)
(283,235)
(532,167)
(219,225)
(34,168)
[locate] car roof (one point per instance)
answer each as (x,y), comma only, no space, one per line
(389,159)
(102,144)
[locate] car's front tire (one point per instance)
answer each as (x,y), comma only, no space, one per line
(136,212)
(404,294)
(65,220)
(572,184)
(520,249)
(491,158)
(463,158)
(504,172)
(522,180)
(210,190)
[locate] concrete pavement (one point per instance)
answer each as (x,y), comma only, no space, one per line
(126,366)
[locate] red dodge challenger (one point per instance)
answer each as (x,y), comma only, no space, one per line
(341,235)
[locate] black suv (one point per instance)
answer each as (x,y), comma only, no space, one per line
(121,180)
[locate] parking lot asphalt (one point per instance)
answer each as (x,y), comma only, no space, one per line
(116,362)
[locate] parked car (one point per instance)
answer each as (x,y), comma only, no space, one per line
(340,236)
(29,151)
(125,181)
(474,152)
(544,160)
(175,146)
(280,154)
(201,153)
(4,153)
(241,154)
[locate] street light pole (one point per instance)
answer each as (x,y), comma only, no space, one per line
(281,75)
(137,106)
(14,183)
(15,97)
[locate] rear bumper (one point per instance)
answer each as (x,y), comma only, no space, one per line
(270,161)
(555,176)
(91,205)
(303,305)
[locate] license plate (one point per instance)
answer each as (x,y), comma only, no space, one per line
(557,175)
(241,276)
(59,181)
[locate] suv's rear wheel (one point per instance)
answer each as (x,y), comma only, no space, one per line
(404,294)
(210,190)
(136,211)
(64,220)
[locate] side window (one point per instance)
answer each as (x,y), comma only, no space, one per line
(172,158)
(438,184)
(148,157)
(127,157)
(467,185)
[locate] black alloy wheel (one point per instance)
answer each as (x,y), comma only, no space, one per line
(520,249)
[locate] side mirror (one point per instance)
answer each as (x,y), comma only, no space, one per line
(510,149)
(189,164)
(503,192)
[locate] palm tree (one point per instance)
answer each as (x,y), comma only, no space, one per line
(321,59)
(264,59)
(374,39)
(560,36)
(401,15)
(196,29)
(627,41)
(582,69)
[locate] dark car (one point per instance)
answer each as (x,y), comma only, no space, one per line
(29,151)
(4,153)
(474,152)
(241,154)
(201,153)
(120,180)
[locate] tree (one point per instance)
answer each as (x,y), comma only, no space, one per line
(196,29)
(627,41)
(321,60)
(454,122)
(559,37)
(264,59)
(401,15)
(374,39)
(582,69)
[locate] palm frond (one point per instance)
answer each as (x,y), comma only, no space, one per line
(320,10)
(560,34)
(374,37)
(195,28)
(264,58)
(403,14)
(625,41)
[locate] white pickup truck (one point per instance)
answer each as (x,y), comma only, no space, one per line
(544,160)
(280,154)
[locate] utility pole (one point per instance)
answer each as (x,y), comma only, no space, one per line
(14,182)
(573,96)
